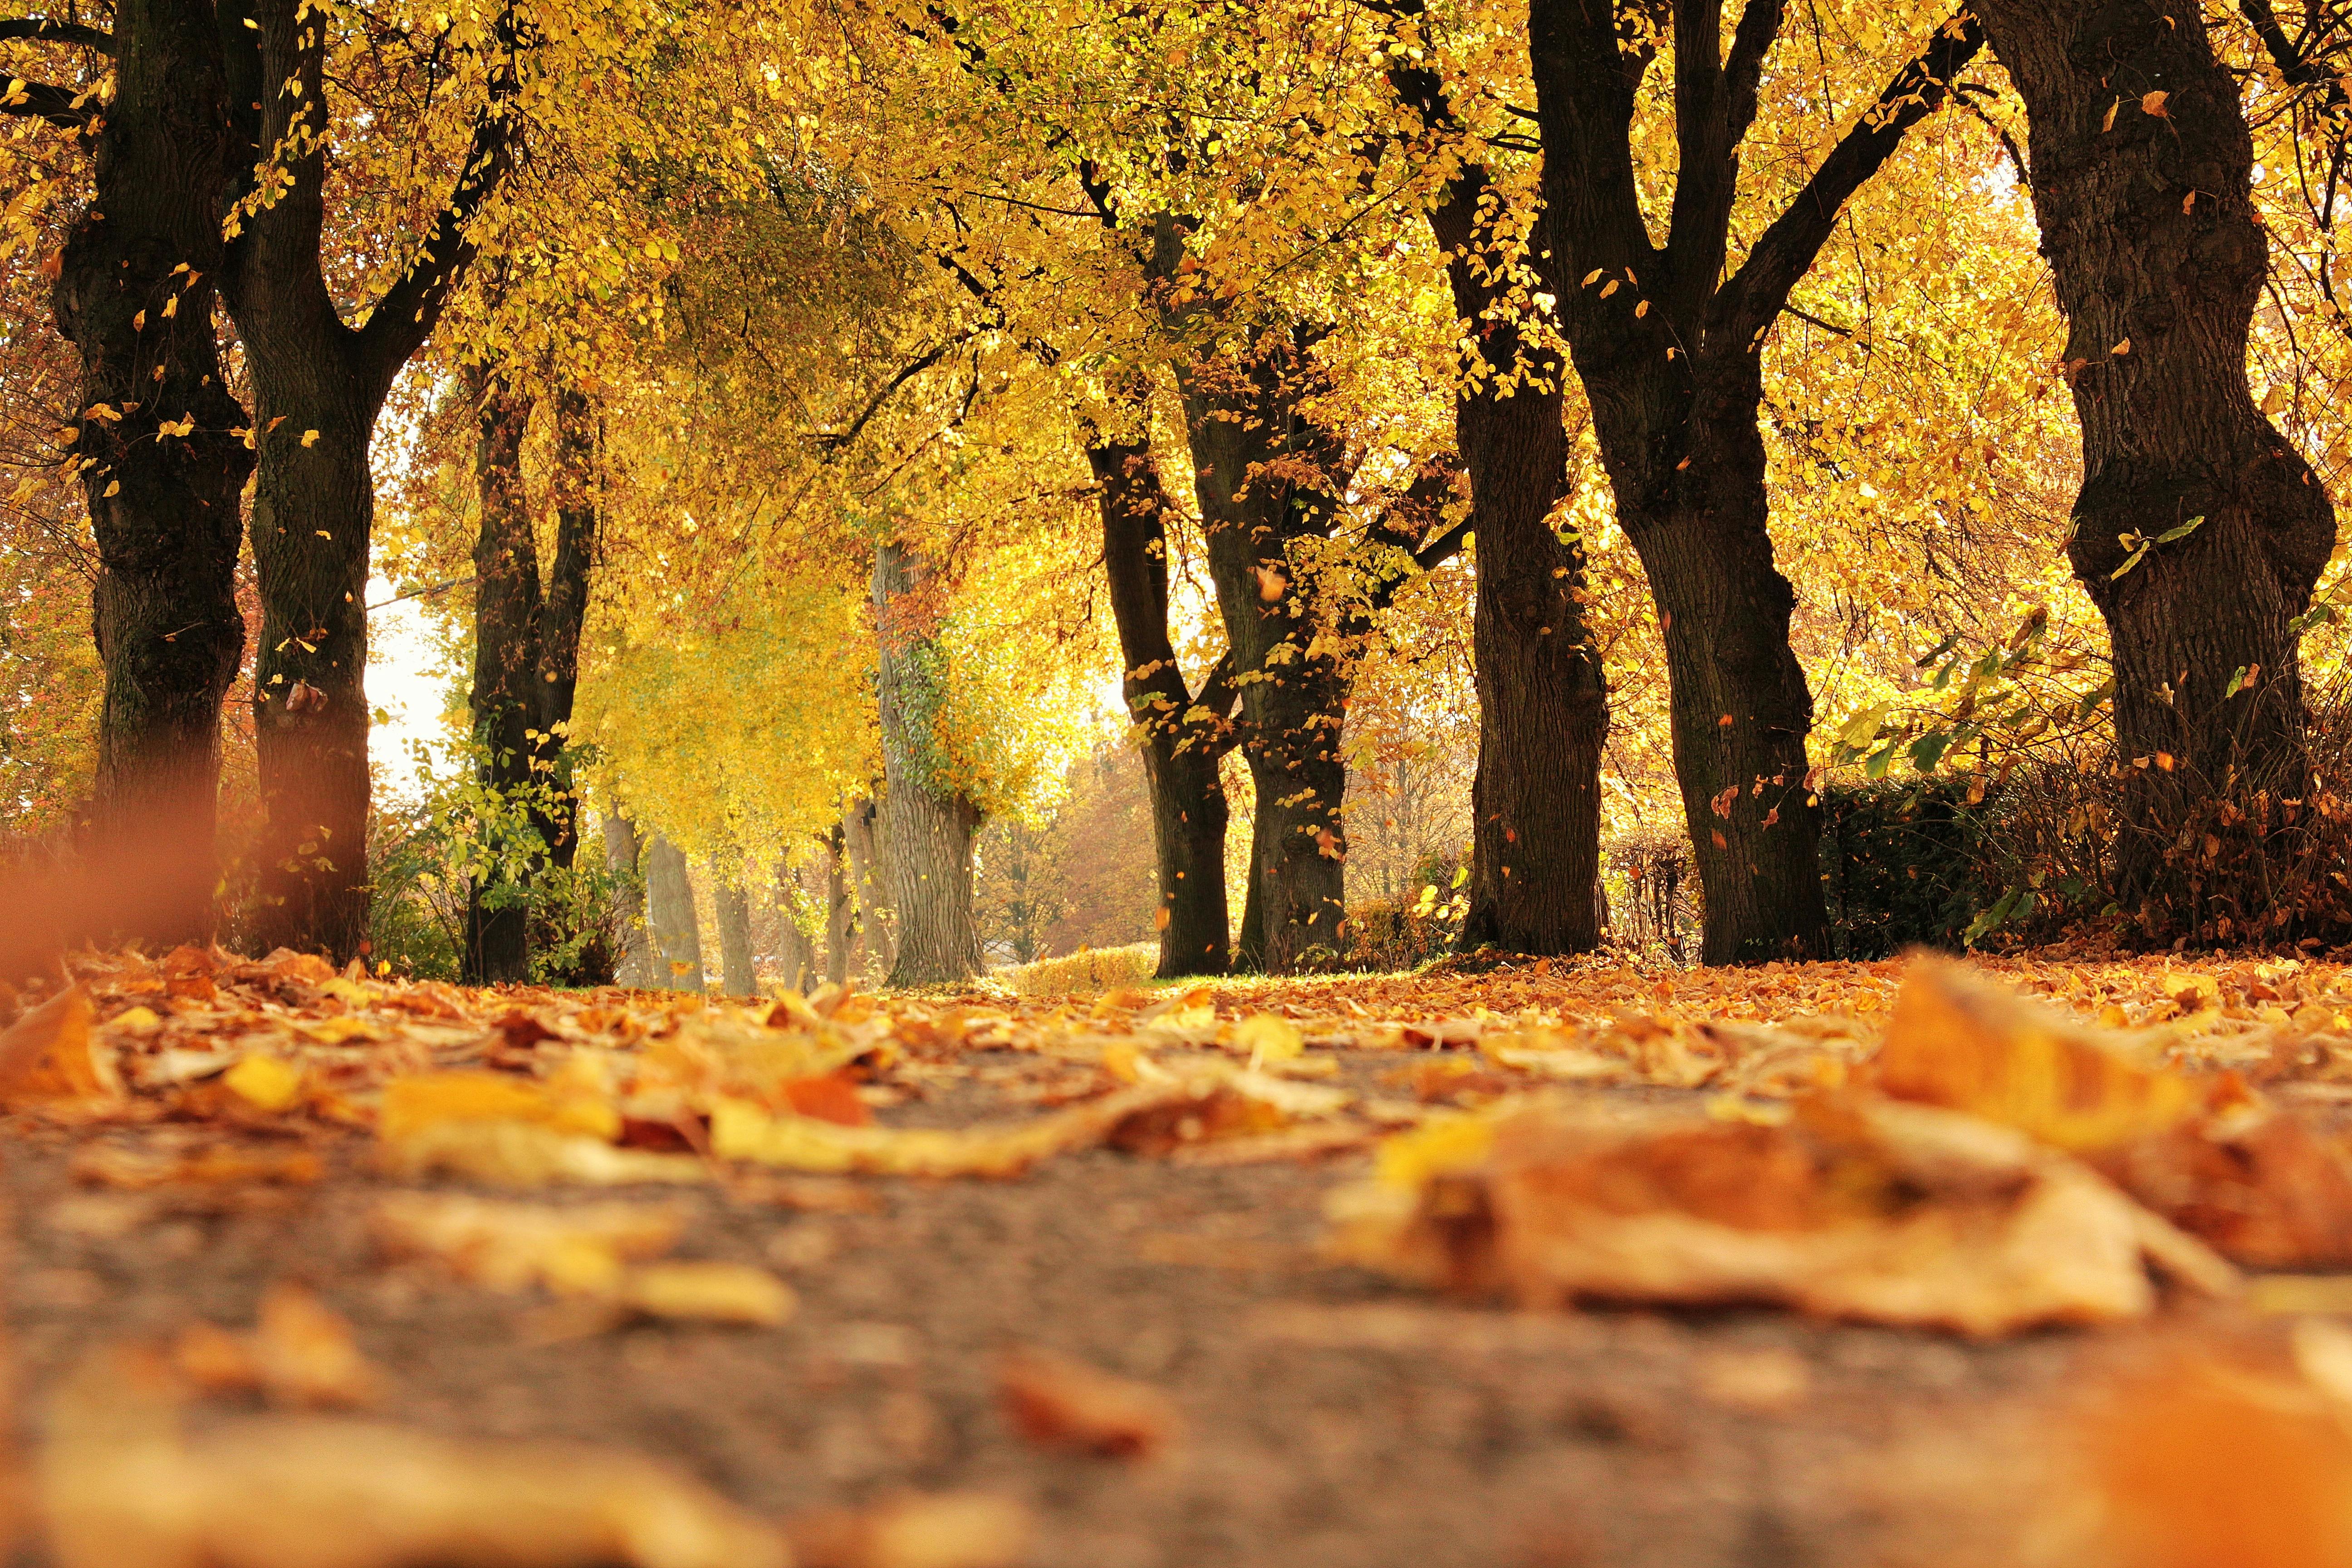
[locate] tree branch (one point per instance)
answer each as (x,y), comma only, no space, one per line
(404,318)
(39,101)
(40,30)
(1757,292)
(835,440)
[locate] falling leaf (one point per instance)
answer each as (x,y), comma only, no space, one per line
(310,437)
(1059,1402)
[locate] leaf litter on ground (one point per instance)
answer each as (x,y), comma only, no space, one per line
(2047,1139)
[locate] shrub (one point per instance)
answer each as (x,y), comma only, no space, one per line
(1088,969)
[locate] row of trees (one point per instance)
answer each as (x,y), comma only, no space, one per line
(806,407)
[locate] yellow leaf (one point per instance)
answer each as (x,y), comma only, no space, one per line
(1268,1039)
(1964,1043)
(265,1082)
(718,1292)
(310,437)
(412,1105)
(2108,123)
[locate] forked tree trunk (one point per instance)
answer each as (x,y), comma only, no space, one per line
(1180,734)
(319,382)
(733,906)
(624,856)
(1667,340)
(1265,473)
(159,445)
(928,823)
(504,697)
(677,946)
(2142,167)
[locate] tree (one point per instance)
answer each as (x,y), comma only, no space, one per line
(1543,703)
(928,818)
(2200,531)
(1667,340)
(157,436)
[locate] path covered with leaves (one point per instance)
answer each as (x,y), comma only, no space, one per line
(2024,1262)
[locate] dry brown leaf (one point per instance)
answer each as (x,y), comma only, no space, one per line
(122,1487)
(943,1530)
(1861,1209)
(1961,1041)
(1058,1403)
(51,1056)
(301,1353)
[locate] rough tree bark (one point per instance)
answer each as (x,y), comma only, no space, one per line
(623,856)
(318,385)
(1543,701)
(2141,171)
(675,949)
(928,823)
(1182,735)
(874,926)
(1667,342)
(159,440)
(733,907)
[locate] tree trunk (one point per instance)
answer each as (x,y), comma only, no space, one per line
(1182,735)
(1255,457)
(505,697)
(1543,703)
(840,909)
(677,946)
(2142,171)
(928,823)
(736,975)
(795,952)
(162,457)
(1667,342)
(623,854)
(319,382)
(869,883)
(578,497)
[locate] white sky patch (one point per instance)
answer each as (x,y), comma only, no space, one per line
(402,686)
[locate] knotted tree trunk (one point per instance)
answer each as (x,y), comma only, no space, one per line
(161,444)
(928,822)
(2141,167)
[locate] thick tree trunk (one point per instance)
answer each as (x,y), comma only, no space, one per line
(623,856)
(1738,705)
(1543,703)
(319,382)
(1182,735)
(1667,343)
(736,976)
(676,932)
(2142,170)
(162,459)
(504,701)
(928,823)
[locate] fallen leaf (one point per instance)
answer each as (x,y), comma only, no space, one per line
(575,1249)
(1058,1403)
(265,1082)
(1857,1208)
(944,1530)
(50,1056)
(121,1487)
(713,1292)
